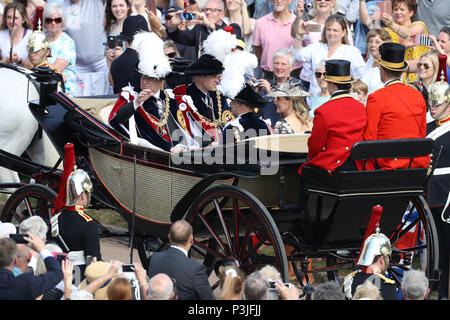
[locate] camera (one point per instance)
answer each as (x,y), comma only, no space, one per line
(256,83)
(187,16)
(308,5)
(127,268)
(423,40)
(19,238)
(113,41)
(272,293)
(60,256)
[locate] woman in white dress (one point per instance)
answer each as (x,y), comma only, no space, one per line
(334,45)
(15,20)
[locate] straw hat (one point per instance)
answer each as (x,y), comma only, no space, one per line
(94,271)
(288,89)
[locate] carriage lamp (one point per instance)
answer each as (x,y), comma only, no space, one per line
(46,83)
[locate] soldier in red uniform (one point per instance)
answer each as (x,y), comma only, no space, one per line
(396,111)
(338,123)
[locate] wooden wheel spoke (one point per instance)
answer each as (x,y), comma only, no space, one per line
(199,247)
(213,234)
(224,227)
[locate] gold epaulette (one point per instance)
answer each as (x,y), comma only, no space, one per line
(389,281)
(80,211)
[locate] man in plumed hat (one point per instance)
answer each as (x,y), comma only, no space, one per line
(123,68)
(338,123)
(396,111)
(147,116)
(207,110)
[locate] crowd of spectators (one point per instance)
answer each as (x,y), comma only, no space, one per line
(50,278)
(85,36)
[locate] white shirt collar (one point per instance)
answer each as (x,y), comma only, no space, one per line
(179,248)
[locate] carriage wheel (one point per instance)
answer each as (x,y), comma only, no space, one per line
(29,200)
(417,217)
(426,252)
(229,222)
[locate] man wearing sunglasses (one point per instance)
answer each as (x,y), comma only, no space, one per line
(209,19)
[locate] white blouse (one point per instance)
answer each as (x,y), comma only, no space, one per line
(20,49)
(316,52)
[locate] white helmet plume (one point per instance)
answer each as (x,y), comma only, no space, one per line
(219,44)
(233,77)
(152,60)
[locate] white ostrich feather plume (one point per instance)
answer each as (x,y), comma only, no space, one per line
(219,44)
(233,79)
(152,60)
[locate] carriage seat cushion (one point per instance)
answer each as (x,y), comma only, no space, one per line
(343,183)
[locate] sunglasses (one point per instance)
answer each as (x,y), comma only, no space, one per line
(319,74)
(425,65)
(171,55)
(50,20)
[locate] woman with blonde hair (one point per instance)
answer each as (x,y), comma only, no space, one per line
(427,68)
(236,12)
(232,283)
(288,99)
(333,45)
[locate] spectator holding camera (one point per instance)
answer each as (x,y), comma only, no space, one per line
(123,68)
(402,29)
(116,11)
(282,64)
(36,226)
(26,286)
(442,44)
(209,20)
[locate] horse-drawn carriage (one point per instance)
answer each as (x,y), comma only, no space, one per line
(242,199)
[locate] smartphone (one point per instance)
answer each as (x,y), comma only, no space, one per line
(19,238)
(187,16)
(61,256)
(423,40)
(314,27)
(385,7)
(127,268)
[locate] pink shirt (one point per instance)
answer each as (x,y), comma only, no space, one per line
(271,36)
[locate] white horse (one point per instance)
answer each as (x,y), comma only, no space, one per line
(18,127)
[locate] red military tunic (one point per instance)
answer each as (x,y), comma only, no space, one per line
(338,124)
(396,111)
